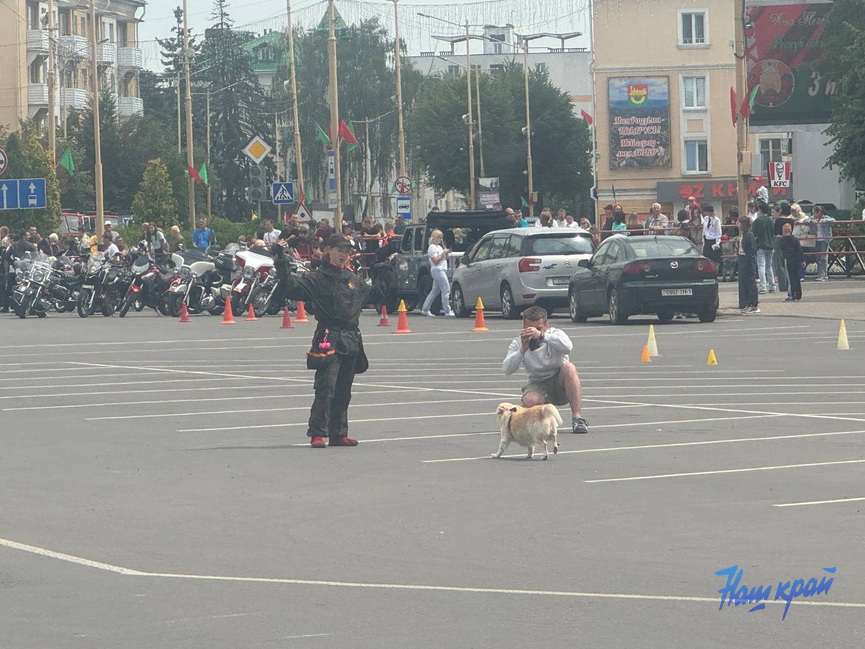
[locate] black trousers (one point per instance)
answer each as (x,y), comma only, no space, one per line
(747,281)
(328,416)
(708,252)
(795,288)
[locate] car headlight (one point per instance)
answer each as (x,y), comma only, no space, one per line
(248,272)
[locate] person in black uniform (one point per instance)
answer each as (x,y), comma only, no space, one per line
(337,296)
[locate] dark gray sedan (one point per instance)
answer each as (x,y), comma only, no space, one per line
(647,274)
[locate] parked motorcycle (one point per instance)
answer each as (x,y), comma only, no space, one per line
(30,295)
(67,280)
(201,278)
(148,286)
(102,288)
(256,284)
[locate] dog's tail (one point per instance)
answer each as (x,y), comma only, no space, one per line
(551,411)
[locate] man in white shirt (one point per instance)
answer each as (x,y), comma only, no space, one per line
(271,234)
(711,234)
(762,192)
(561,218)
(543,352)
(111,249)
(657,222)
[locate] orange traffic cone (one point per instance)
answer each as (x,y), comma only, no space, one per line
(251,315)
(384,321)
(646,357)
(480,323)
(402,320)
(301,313)
(286,319)
(227,315)
(184,313)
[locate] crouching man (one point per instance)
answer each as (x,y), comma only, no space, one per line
(543,352)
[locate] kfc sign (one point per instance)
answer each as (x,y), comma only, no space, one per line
(707,192)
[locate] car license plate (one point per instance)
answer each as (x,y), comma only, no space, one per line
(667,292)
(560,281)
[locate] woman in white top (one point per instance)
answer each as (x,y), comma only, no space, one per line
(438,269)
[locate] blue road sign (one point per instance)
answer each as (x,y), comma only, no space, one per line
(282,193)
(31,193)
(403,205)
(8,194)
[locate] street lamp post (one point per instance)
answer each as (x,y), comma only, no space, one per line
(470,122)
(97,134)
(52,84)
(334,114)
(298,153)
(399,120)
(190,154)
(478,105)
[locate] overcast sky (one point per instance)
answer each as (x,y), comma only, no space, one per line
(259,15)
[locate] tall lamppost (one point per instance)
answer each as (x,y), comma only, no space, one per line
(97,134)
(478,104)
(190,154)
(467,38)
(524,41)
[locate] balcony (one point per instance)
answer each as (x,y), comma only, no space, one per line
(37,40)
(75,47)
(37,94)
(129,106)
(129,58)
(106,53)
(73,99)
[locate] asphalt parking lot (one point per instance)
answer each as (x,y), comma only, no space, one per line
(158,490)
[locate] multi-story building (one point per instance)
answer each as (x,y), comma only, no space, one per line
(24,75)
(662,87)
(569,68)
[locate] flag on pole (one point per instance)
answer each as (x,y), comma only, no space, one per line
(302,196)
(324,137)
(347,134)
(525,203)
(586,117)
(734,106)
(67,163)
(192,172)
(202,173)
(748,102)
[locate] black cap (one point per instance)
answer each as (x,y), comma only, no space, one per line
(337,241)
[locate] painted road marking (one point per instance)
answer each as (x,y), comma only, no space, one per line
(723,471)
(820,502)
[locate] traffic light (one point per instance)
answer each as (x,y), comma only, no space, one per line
(255,192)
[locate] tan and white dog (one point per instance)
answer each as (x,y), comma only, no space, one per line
(528,427)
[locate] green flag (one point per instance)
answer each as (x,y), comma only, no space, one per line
(67,163)
(325,139)
(351,147)
(524,201)
(202,173)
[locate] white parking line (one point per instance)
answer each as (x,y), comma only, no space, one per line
(42,386)
(643,447)
(484,590)
(820,502)
(723,471)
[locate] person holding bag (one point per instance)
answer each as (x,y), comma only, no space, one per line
(337,297)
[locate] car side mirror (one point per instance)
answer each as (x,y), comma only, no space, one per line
(464,260)
(584,263)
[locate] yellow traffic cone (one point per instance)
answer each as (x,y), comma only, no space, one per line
(712,360)
(646,356)
(842,337)
(652,344)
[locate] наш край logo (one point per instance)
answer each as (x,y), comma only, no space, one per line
(735,592)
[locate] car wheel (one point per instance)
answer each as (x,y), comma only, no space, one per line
(574,307)
(459,301)
(665,316)
(617,316)
(509,309)
(708,314)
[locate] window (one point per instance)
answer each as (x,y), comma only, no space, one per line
(515,243)
(265,53)
(771,150)
(694,92)
(692,28)
(482,252)
(496,68)
(498,248)
(541,68)
(696,156)
(454,70)
(559,244)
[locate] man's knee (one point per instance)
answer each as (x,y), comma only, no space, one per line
(533,399)
(568,374)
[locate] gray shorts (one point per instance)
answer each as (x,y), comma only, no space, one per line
(551,389)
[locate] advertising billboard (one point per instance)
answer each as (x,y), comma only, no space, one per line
(639,122)
(783,43)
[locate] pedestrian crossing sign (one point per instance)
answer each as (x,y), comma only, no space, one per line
(282,193)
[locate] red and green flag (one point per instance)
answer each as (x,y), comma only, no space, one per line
(346,132)
(748,102)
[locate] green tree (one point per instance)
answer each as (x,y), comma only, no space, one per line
(154,202)
(28,159)
(844,40)
(561,145)
(237,112)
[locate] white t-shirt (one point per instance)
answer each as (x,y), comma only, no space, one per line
(434,251)
(111,251)
(545,361)
(272,237)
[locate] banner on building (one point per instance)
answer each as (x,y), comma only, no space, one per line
(715,191)
(488,192)
(782,49)
(779,174)
(639,122)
